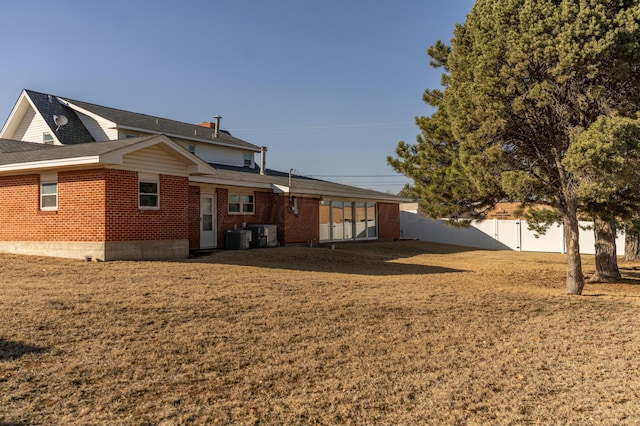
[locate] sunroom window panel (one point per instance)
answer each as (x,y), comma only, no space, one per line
(372,228)
(325,220)
(337,219)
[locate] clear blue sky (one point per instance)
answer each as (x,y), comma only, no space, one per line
(330,87)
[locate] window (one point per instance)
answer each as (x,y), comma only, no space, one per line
(49,191)
(346,220)
(148,191)
(248,159)
(47,139)
(192,149)
(240,204)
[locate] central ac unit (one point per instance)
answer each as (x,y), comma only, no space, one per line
(238,239)
(263,235)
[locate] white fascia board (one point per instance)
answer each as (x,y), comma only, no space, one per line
(282,189)
(10,125)
(50,164)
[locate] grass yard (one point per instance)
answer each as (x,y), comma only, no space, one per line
(375,333)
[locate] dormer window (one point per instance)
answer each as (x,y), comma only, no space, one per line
(192,149)
(248,159)
(47,139)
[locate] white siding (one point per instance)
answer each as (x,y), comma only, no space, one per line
(216,154)
(31,128)
(100,129)
(155,160)
(208,152)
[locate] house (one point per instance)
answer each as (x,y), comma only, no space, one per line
(82,180)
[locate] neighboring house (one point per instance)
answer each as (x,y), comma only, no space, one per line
(87,181)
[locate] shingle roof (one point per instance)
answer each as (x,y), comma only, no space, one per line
(300,184)
(74,132)
(16,152)
(39,152)
(134,120)
(8,145)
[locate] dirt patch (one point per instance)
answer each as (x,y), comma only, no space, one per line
(375,333)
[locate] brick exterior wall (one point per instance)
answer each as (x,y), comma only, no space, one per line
(194,217)
(127,222)
(80,215)
(388,221)
(268,211)
(98,205)
(305,226)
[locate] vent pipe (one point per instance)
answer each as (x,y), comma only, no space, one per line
(263,159)
(216,128)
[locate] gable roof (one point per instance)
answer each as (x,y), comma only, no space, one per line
(42,156)
(148,123)
(73,132)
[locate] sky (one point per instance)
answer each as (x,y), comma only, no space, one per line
(329,87)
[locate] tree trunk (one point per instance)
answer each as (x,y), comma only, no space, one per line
(606,255)
(575,279)
(631,244)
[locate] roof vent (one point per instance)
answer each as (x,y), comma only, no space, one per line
(216,129)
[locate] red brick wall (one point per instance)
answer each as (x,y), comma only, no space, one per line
(305,226)
(268,211)
(194,217)
(388,221)
(80,215)
(126,222)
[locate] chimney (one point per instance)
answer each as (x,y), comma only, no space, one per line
(263,159)
(210,125)
(207,124)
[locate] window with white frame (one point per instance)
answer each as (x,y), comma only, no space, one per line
(241,204)
(49,191)
(248,159)
(47,139)
(148,191)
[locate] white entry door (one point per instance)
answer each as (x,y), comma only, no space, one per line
(208,221)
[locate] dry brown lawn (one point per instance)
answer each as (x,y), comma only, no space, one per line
(398,333)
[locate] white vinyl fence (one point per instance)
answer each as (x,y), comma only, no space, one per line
(496,234)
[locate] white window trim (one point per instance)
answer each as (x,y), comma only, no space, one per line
(46,141)
(247,157)
(149,178)
(48,179)
(241,213)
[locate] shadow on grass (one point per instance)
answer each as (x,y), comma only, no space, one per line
(365,258)
(11,350)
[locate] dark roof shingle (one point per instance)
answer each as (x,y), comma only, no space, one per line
(33,152)
(134,120)
(73,132)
